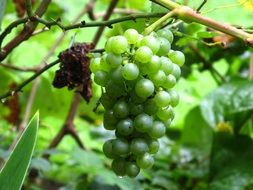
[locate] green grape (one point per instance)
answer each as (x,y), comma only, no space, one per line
(164,46)
(125,127)
(119,166)
(167,123)
(110,121)
(153,146)
(145,161)
(95,65)
(166,33)
(136,109)
(150,107)
(143,54)
(132,170)
(170,81)
(115,90)
(132,36)
(143,69)
(162,98)
(138,146)
(104,65)
(120,147)
(143,122)
(138,43)
(177,57)
(116,75)
(174,98)
(158,130)
(107,149)
(120,109)
(158,78)
(165,113)
(176,71)
(108,45)
(135,98)
(166,65)
(119,44)
(130,71)
(154,65)
(144,88)
(107,101)
(151,42)
(114,60)
(101,78)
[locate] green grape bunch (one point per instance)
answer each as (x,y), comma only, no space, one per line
(137,74)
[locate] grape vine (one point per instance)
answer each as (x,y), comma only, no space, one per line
(137,74)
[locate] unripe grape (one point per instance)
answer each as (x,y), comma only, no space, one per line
(150,42)
(132,36)
(114,60)
(166,65)
(170,81)
(158,130)
(138,146)
(120,147)
(162,98)
(95,65)
(176,71)
(116,75)
(164,47)
(174,98)
(158,78)
(107,101)
(107,149)
(150,107)
(154,65)
(166,33)
(132,170)
(145,161)
(143,54)
(120,109)
(144,88)
(177,57)
(101,78)
(110,121)
(165,113)
(130,71)
(153,146)
(143,122)
(119,44)
(136,109)
(125,127)
(119,166)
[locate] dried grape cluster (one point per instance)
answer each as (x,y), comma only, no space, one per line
(137,74)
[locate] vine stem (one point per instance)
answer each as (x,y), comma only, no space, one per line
(158,23)
(189,15)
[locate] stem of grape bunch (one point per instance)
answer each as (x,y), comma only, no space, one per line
(189,15)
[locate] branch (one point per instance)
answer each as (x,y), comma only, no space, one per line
(106,17)
(28,6)
(27,31)
(19,87)
(189,15)
(16,68)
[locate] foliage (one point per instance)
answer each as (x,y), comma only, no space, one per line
(208,146)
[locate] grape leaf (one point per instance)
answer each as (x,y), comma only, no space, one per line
(228,102)
(231,162)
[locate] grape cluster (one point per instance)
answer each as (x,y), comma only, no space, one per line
(137,74)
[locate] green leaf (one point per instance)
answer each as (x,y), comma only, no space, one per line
(155,8)
(13,173)
(2,8)
(228,102)
(196,132)
(231,162)
(205,34)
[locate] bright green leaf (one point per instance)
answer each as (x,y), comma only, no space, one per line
(205,34)
(13,173)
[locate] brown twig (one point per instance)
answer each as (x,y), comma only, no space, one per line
(23,84)
(16,68)
(27,31)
